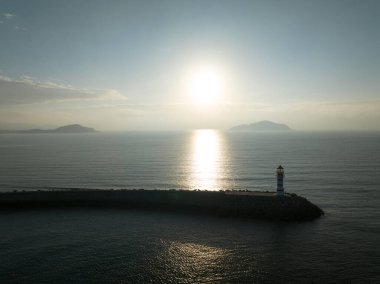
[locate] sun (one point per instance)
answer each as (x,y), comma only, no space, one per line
(205,86)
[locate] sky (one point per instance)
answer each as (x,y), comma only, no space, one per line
(143,65)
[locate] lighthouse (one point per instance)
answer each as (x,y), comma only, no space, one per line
(280,180)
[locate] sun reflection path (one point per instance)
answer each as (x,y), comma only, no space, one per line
(196,262)
(208,160)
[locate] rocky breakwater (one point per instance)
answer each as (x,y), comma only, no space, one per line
(255,205)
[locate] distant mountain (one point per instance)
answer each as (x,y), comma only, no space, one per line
(264,125)
(73,128)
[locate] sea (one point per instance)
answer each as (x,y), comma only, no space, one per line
(338,171)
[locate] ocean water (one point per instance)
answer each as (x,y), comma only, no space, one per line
(337,171)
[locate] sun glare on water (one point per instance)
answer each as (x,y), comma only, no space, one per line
(206,156)
(205,86)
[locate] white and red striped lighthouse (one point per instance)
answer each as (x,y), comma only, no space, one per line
(280,180)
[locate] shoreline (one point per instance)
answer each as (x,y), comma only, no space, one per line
(243,204)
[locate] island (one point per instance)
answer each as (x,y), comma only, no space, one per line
(263,125)
(243,204)
(72,128)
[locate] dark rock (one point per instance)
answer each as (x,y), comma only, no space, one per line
(246,205)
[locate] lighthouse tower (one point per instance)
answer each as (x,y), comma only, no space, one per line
(280,180)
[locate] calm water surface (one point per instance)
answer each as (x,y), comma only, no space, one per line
(337,171)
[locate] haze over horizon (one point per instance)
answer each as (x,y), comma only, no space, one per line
(168,65)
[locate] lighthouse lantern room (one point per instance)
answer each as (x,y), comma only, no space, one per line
(280,180)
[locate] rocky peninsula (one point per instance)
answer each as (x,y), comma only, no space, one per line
(243,204)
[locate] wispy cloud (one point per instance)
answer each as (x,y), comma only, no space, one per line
(9,16)
(28,90)
(37,103)
(17,28)
(8,19)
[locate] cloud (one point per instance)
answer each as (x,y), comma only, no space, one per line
(9,16)
(17,28)
(28,90)
(30,103)
(7,20)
